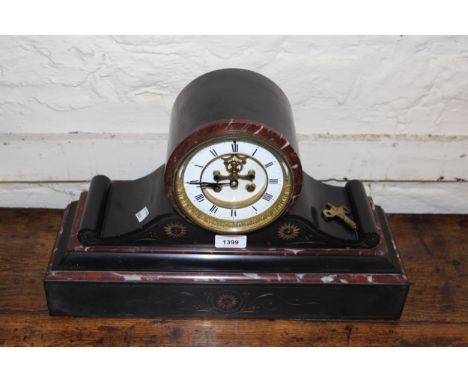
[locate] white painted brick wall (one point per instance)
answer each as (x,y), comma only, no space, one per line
(390,110)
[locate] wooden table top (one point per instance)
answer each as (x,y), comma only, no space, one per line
(434,249)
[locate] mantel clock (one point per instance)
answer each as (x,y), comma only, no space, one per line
(230,226)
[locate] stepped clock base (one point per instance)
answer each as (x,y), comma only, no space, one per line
(347,284)
(340,297)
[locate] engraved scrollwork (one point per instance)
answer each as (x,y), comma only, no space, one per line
(266,301)
(184,301)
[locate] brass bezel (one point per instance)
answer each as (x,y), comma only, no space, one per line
(226,226)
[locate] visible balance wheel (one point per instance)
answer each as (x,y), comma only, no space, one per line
(230,226)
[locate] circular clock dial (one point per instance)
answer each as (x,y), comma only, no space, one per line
(233,184)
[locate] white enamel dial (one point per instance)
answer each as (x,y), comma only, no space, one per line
(233,185)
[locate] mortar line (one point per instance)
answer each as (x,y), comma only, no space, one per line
(322,180)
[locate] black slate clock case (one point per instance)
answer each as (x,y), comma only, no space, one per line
(108,262)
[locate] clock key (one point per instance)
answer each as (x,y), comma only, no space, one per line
(331,211)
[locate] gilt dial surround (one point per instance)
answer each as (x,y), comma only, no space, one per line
(233,184)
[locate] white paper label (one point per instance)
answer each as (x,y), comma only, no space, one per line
(142,214)
(230,241)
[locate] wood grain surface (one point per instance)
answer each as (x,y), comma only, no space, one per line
(434,249)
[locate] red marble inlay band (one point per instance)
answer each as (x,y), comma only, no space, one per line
(227,278)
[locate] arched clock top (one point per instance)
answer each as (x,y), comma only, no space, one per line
(236,117)
(231,94)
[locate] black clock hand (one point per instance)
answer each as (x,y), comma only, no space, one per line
(208,184)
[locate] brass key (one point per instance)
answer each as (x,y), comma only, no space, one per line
(332,211)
